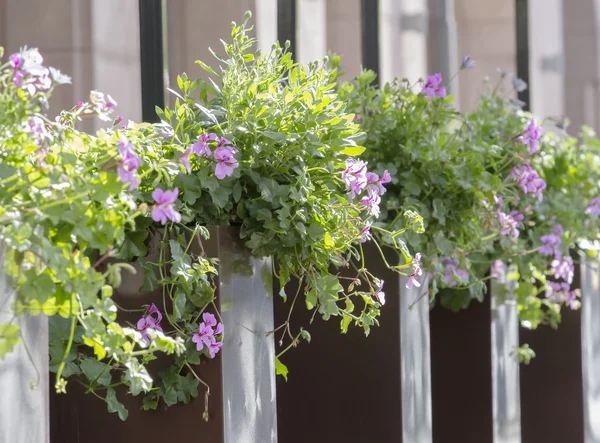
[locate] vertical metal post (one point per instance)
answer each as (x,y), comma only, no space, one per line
(152,57)
(443,46)
(590,344)
(24,406)
(415,363)
(522,29)
(505,364)
(286,23)
(370,34)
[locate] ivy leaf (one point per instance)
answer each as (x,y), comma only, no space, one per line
(281,369)
(96,371)
(114,405)
(179,305)
(9,338)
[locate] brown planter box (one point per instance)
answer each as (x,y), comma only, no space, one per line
(241,377)
(356,389)
(552,384)
(461,374)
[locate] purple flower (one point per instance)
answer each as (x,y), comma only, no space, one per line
(509,223)
(209,319)
(226,161)
(214,348)
(498,271)
(562,292)
(563,268)
(15,60)
(375,184)
(467,62)
(28,71)
(355,176)
(185,160)
(128,164)
(451,270)
(519,84)
(432,87)
(379,291)
(102,105)
(118,120)
(530,181)
(594,208)
(532,136)
(365,233)
(201,147)
(163,209)
(371,202)
(417,272)
(149,322)
(206,336)
(552,242)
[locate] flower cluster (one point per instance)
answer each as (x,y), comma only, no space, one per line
(148,321)
(100,105)
(224,154)
(206,338)
(531,137)
(562,292)
(164,208)
(357,180)
(594,207)
(509,223)
(552,242)
(563,268)
(432,87)
(417,272)
(128,164)
(30,74)
(530,181)
(451,270)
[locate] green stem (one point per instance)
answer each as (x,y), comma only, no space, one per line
(67,349)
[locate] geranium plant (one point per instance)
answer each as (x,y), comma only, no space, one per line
(491,187)
(266,144)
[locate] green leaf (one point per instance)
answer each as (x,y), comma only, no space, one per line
(179,305)
(95,371)
(281,369)
(354,151)
(9,338)
(114,405)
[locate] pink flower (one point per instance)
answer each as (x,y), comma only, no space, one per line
(453,270)
(532,136)
(530,181)
(498,271)
(417,272)
(149,322)
(128,164)
(375,184)
(201,147)
(371,202)
(163,209)
(207,337)
(185,160)
(379,291)
(552,242)
(204,337)
(432,87)
(355,176)
(365,233)
(594,208)
(226,161)
(563,268)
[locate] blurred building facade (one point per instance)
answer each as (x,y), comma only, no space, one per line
(97,43)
